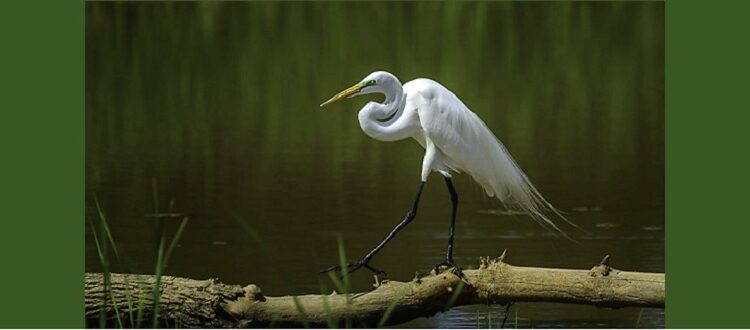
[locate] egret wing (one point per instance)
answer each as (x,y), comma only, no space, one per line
(464,138)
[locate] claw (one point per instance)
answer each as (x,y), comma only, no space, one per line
(323,271)
(454,269)
(352,267)
(376,271)
(458,272)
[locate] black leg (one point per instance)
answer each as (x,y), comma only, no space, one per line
(364,262)
(451,233)
(505,318)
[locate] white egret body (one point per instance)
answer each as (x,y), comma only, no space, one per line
(455,140)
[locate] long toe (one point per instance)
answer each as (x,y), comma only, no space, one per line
(439,268)
(448,264)
(375,270)
(350,268)
(330,269)
(459,272)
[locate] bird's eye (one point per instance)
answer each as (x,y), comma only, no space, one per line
(371,82)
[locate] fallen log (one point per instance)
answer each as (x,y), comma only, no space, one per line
(185,302)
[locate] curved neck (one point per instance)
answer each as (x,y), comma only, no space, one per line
(384,121)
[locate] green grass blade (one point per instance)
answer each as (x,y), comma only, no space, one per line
(161,263)
(346,284)
(389,311)
(330,321)
(342,264)
(156,292)
(638,320)
(130,304)
(454,296)
(248,229)
(105,272)
(336,283)
(102,258)
(175,239)
(105,225)
(300,311)
(141,305)
(114,306)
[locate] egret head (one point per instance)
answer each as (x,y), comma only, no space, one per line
(375,82)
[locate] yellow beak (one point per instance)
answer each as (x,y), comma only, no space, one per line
(347,93)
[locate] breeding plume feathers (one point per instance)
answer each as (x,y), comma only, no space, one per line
(466,144)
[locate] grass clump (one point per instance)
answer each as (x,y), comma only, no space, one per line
(104,242)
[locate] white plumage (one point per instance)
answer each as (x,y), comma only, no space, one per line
(455,139)
(462,142)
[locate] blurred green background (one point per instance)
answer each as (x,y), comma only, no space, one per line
(216,105)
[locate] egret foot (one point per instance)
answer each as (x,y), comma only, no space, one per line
(352,267)
(448,264)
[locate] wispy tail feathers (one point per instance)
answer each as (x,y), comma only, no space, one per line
(511,186)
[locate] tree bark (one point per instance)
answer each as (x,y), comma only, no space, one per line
(192,303)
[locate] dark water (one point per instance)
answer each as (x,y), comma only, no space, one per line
(216,105)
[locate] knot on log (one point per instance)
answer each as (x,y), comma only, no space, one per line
(417,278)
(602,269)
(493,263)
(254,292)
(238,308)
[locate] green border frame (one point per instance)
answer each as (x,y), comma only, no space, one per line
(707,163)
(42,167)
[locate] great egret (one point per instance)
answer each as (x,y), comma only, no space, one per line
(454,139)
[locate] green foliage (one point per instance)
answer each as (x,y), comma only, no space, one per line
(301,311)
(128,297)
(346,285)
(161,264)
(101,248)
(117,311)
(175,239)
(103,240)
(456,292)
(331,322)
(638,320)
(389,311)
(141,305)
(105,226)
(248,229)
(156,291)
